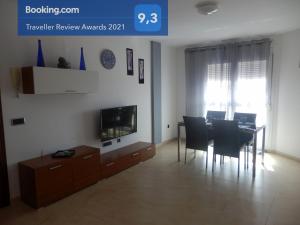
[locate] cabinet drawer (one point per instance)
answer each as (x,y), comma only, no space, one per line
(148,153)
(47,179)
(54,195)
(86,181)
(130,160)
(86,170)
(86,165)
(110,168)
(54,179)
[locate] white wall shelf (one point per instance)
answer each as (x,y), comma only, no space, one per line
(46,80)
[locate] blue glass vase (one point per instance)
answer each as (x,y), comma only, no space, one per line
(40,57)
(82,62)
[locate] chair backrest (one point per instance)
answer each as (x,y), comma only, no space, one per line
(215,115)
(226,138)
(245,119)
(196,133)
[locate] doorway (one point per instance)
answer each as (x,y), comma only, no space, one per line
(4,188)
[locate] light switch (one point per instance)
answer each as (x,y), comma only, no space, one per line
(18,121)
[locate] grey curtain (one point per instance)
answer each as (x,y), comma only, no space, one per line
(225,77)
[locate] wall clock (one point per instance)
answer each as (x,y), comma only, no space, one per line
(108,59)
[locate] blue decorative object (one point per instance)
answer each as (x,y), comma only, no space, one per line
(108,59)
(82,62)
(40,57)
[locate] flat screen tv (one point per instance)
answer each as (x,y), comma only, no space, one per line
(117,122)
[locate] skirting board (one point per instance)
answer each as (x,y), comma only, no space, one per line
(165,143)
(267,150)
(286,155)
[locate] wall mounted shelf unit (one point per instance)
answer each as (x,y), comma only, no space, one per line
(45,80)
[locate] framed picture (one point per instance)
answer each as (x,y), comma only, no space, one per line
(141,71)
(129,55)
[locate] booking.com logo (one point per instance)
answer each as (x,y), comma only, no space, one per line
(51,10)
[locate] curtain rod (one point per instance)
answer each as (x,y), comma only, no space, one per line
(241,43)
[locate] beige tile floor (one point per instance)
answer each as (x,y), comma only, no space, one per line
(164,192)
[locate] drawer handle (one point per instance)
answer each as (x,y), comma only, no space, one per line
(55,167)
(110,164)
(87,157)
(135,154)
(149,149)
(70,91)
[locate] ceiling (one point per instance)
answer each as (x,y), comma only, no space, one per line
(235,19)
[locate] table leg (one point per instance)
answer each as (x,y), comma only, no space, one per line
(263,145)
(178,140)
(254,155)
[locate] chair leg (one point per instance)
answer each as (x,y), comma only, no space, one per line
(220,160)
(206,159)
(194,153)
(213,162)
(245,156)
(239,168)
(185,156)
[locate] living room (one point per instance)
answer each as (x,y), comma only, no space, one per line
(158,189)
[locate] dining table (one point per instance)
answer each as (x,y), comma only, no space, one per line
(247,129)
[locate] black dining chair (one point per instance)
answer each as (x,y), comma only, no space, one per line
(215,115)
(196,135)
(227,140)
(246,120)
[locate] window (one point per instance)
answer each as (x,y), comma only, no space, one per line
(217,94)
(232,77)
(246,92)
(250,89)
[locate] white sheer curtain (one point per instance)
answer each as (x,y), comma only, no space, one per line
(233,78)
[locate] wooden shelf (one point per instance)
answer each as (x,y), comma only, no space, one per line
(45,80)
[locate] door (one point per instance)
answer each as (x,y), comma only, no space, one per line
(4,189)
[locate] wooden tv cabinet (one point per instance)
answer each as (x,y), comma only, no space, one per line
(45,180)
(123,158)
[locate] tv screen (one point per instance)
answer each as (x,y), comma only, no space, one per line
(118,122)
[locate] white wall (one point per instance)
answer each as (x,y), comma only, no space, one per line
(61,121)
(273,109)
(169,92)
(288,72)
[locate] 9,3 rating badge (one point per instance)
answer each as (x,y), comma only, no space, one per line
(147,18)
